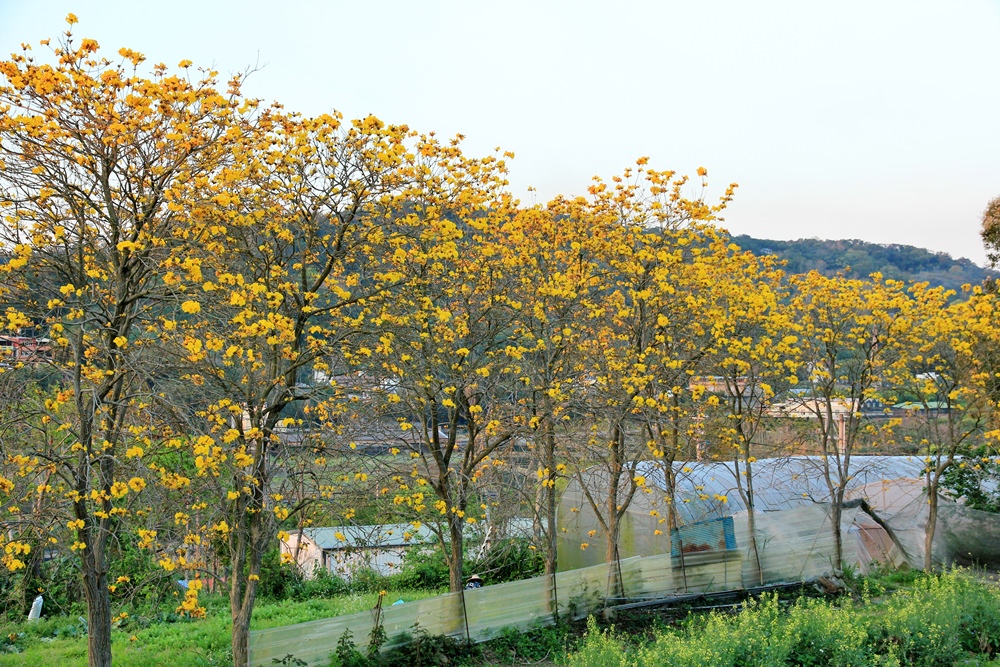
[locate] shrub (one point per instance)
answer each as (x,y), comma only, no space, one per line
(945,620)
(823,634)
(533,645)
(752,637)
(322,585)
(277,581)
(367,580)
(810,632)
(512,559)
(347,653)
(975,484)
(419,650)
(136,581)
(58,580)
(426,650)
(423,568)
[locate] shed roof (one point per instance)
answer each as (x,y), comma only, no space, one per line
(920,407)
(388,535)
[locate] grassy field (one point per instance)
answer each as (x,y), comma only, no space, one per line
(161,639)
(894,620)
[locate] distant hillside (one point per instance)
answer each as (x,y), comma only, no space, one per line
(900,262)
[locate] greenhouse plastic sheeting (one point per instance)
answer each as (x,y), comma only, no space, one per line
(795,545)
(962,535)
(708,490)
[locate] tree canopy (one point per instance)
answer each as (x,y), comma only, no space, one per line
(224,322)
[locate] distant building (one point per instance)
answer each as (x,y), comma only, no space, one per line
(810,408)
(343,550)
(24,350)
(913,409)
(814,408)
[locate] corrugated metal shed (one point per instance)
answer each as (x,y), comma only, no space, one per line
(404,534)
(389,535)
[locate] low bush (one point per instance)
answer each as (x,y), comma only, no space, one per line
(419,649)
(425,650)
(323,584)
(277,581)
(511,559)
(136,581)
(601,648)
(422,568)
(514,646)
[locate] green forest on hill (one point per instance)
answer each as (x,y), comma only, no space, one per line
(859,259)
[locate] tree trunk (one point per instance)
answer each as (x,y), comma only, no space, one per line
(95,589)
(242,596)
(612,557)
(549,491)
(298,549)
(539,522)
(931,528)
(673,519)
(456,554)
(614,513)
(836,511)
(670,493)
(752,520)
(247,546)
(241,637)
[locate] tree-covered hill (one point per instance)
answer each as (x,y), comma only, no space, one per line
(859,259)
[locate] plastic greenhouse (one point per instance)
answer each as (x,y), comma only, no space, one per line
(709,551)
(889,529)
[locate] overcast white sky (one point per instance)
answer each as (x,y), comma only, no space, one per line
(877,120)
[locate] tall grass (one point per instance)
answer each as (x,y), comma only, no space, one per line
(166,639)
(941,620)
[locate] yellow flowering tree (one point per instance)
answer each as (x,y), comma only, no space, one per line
(276,269)
(442,339)
(947,385)
(558,257)
(851,340)
(651,333)
(89,151)
(754,358)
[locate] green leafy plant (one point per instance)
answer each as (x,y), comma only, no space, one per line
(425,650)
(976,480)
(347,653)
